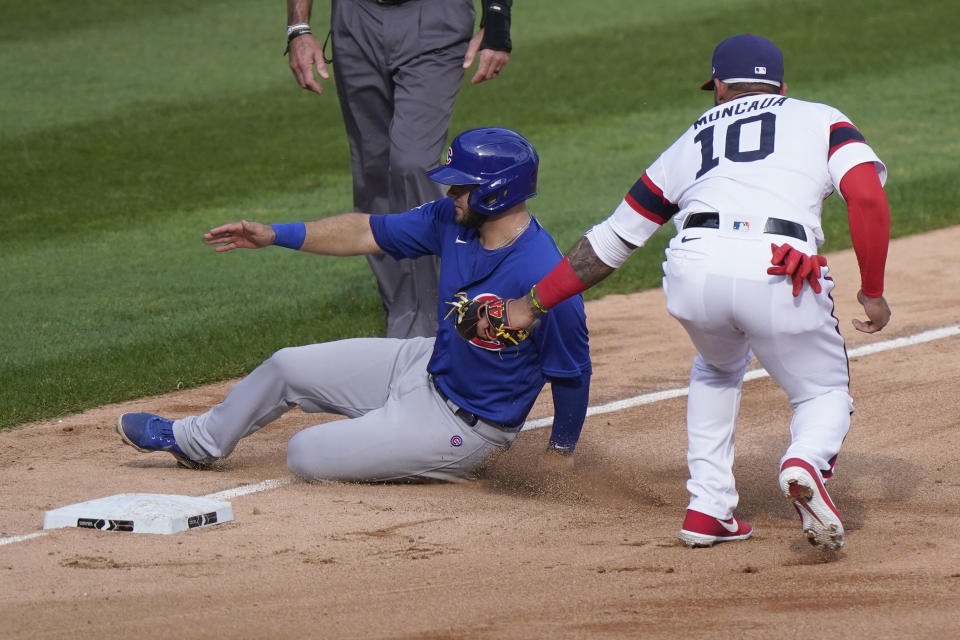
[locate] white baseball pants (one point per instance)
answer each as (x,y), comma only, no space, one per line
(716,285)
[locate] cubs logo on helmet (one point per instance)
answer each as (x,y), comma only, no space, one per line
(500,163)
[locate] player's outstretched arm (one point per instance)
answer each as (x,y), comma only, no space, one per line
(348,234)
(579,270)
(239,235)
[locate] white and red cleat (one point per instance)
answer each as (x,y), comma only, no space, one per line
(701,530)
(803,487)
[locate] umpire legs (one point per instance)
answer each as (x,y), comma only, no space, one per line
(398,70)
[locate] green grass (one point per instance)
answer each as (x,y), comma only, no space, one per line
(127,131)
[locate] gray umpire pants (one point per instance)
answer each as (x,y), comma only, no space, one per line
(399,427)
(398,70)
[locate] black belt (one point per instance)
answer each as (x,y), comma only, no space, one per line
(391,1)
(470,419)
(779,226)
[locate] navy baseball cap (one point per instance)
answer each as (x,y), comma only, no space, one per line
(746,58)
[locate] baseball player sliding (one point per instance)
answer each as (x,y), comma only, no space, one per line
(747,179)
(417,407)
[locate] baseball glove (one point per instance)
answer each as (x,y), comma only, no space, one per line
(493,311)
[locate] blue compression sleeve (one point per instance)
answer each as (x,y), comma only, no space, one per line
(570,397)
(290,234)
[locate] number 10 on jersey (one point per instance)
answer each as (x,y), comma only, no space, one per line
(733,150)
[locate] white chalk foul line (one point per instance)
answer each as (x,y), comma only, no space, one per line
(236,492)
(908,341)
(619,405)
(649,398)
(13,539)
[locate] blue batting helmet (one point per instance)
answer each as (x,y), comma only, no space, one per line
(501,162)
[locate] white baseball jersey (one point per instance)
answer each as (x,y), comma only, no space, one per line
(755,156)
(741,163)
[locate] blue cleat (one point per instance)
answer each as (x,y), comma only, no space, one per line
(148,432)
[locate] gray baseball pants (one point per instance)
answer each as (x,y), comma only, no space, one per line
(398,70)
(399,427)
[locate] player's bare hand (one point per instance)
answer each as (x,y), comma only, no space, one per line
(306,54)
(518,316)
(520,313)
(878,313)
(240,235)
(492,62)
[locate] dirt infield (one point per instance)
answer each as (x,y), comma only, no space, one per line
(527,552)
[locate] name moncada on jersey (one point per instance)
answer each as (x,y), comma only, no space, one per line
(739,108)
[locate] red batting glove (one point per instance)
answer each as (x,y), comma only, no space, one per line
(798,265)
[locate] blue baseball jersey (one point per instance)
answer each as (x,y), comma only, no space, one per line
(497,382)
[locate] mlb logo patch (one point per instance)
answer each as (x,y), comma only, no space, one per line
(741,225)
(760,71)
